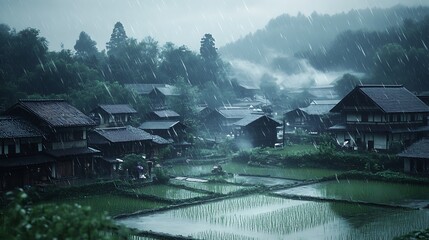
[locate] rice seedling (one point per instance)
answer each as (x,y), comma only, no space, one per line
(367,191)
(220,188)
(266,217)
(167,192)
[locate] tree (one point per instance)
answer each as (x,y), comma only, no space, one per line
(85,46)
(208,50)
(118,39)
(347,83)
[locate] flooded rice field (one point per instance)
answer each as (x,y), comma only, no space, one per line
(268,217)
(415,196)
(273,210)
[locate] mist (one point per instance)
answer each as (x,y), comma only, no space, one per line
(301,75)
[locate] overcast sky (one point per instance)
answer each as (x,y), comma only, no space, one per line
(182,22)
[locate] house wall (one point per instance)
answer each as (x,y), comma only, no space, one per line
(354,117)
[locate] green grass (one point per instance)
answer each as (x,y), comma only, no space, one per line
(211,187)
(295,149)
(113,204)
(167,192)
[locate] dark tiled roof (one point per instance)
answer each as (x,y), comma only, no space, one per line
(389,99)
(11,127)
(143,89)
(117,108)
(26,161)
(161,141)
(318,109)
(72,152)
(166,113)
(57,113)
(168,90)
(251,118)
(419,149)
(235,113)
(123,134)
(395,99)
(156,125)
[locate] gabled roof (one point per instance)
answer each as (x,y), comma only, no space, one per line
(117,108)
(419,149)
(320,107)
(167,90)
(11,127)
(166,113)
(158,125)
(123,134)
(252,118)
(389,99)
(234,113)
(143,89)
(56,113)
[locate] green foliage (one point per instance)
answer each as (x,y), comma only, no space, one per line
(165,152)
(131,161)
(118,39)
(161,175)
(85,46)
(50,221)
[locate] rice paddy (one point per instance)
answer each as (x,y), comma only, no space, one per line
(264,181)
(367,191)
(167,192)
(114,204)
(292,173)
(221,188)
(267,217)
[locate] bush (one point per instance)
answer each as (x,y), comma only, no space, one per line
(50,221)
(161,175)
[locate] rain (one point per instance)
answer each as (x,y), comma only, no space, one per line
(186,119)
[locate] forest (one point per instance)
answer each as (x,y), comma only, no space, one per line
(86,76)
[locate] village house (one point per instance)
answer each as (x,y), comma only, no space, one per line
(64,131)
(173,131)
(256,131)
(106,115)
(416,157)
(22,161)
(222,120)
(380,117)
(163,115)
(116,142)
(158,93)
(316,118)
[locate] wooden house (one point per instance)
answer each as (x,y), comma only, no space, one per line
(116,142)
(416,157)
(256,131)
(113,115)
(222,120)
(379,117)
(163,115)
(65,135)
(159,96)
(315,118)
(22,161)
(174,131)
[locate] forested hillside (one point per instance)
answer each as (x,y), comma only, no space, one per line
(287,35)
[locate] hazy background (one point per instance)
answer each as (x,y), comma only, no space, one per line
(182,22)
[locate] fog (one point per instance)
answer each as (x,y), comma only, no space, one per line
(182,22)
